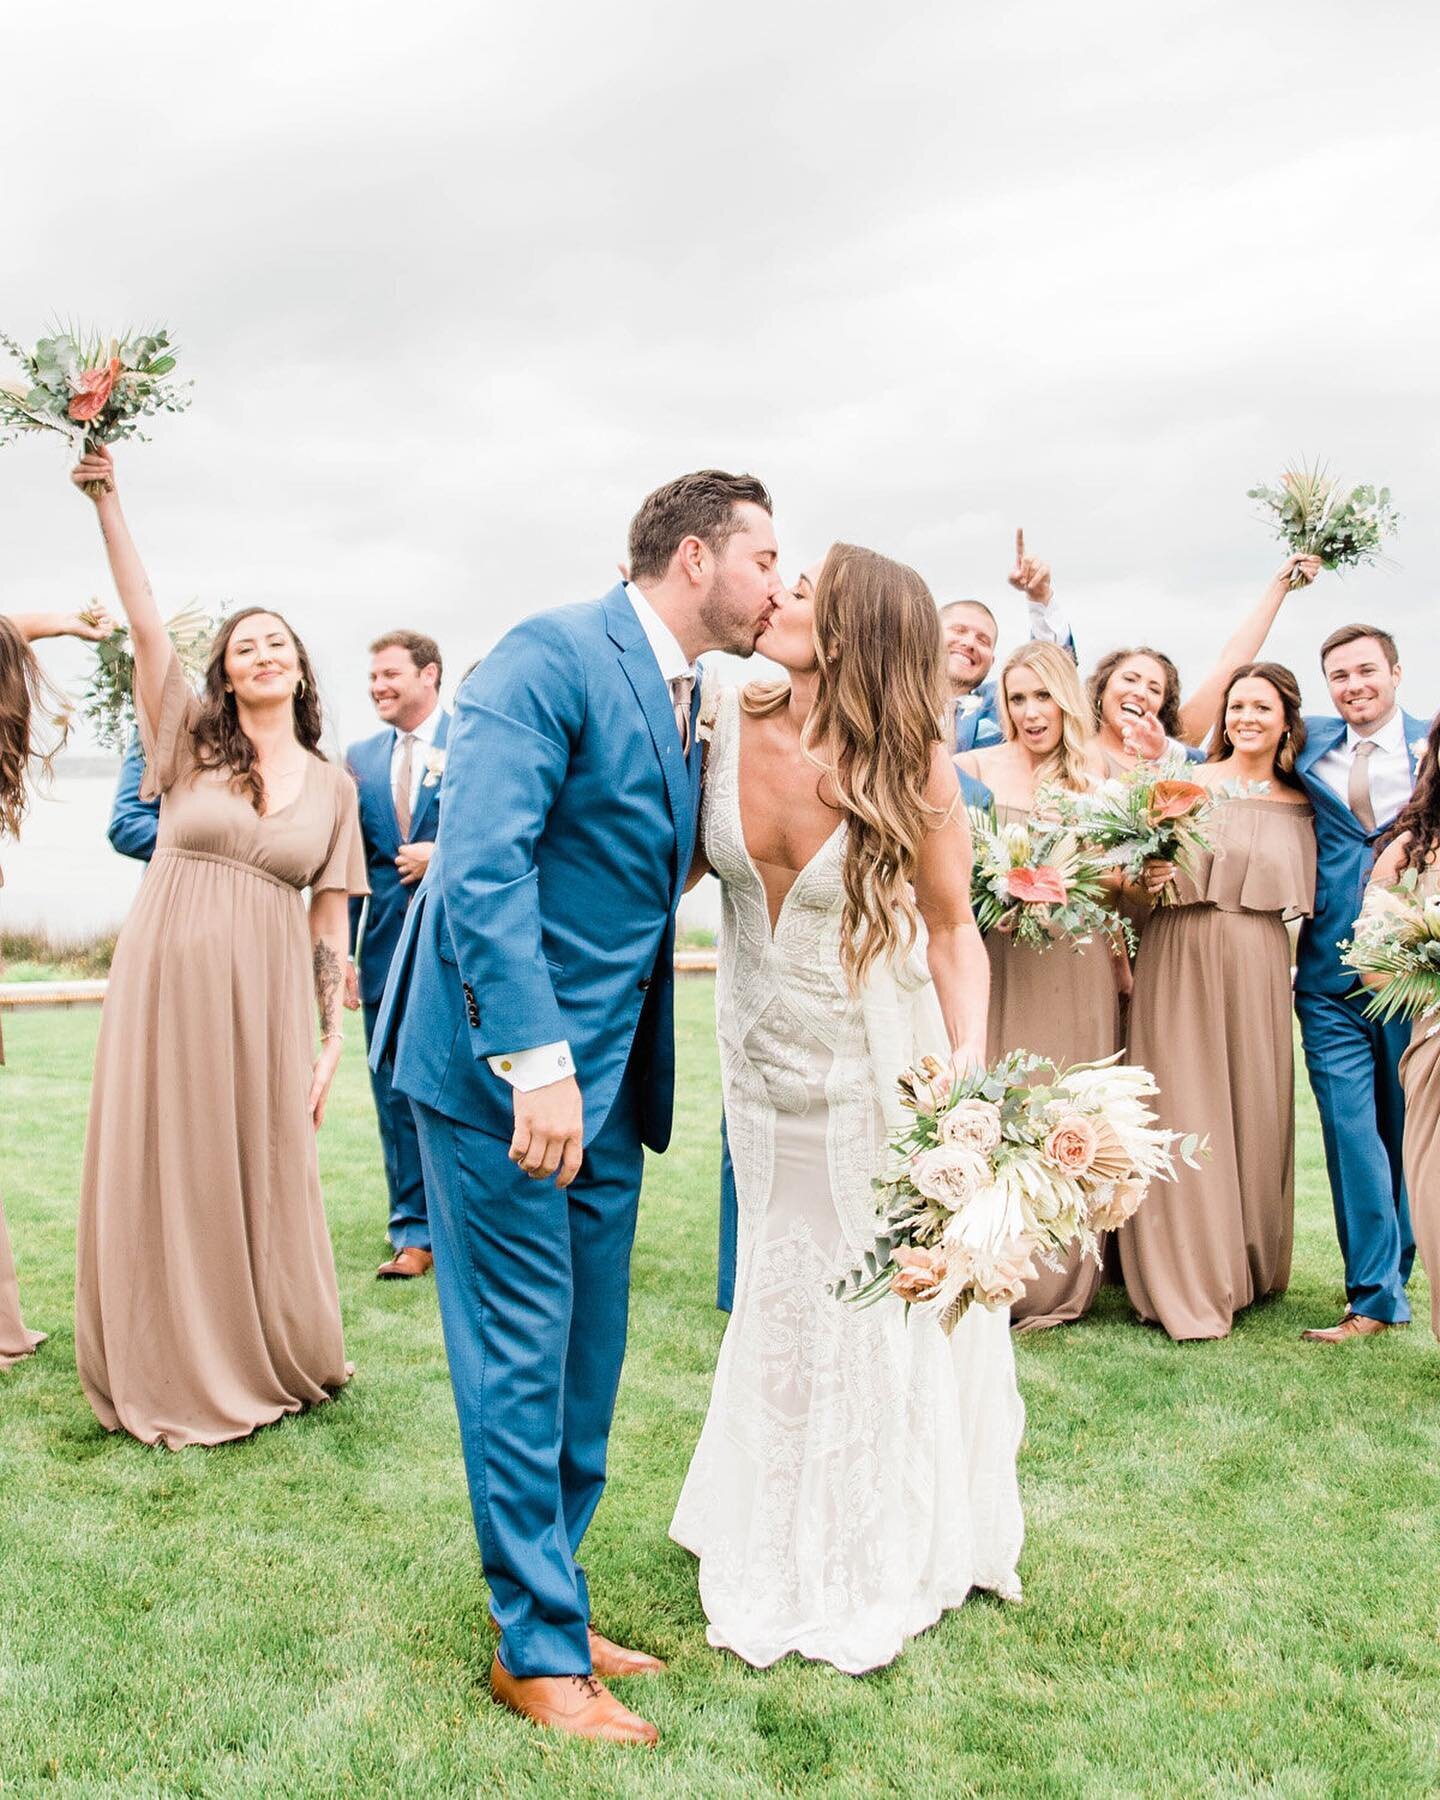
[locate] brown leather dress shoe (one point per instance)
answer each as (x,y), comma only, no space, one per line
(1353,1325)
(611,1660)
(405,1265)
(577,1704)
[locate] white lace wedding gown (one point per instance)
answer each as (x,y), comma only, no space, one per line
(855,1476)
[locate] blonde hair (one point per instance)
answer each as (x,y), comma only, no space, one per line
(1068,764)
(873,729)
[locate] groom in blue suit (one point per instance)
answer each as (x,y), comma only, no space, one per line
(397,773)
(1359,770)
(530,1014)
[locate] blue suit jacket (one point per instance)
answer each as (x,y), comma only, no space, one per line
(389,900)
(980,727)
(134,822)
(548,910)
(1345,853)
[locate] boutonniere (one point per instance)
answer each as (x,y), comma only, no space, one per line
(1418,749)
(709,710)
(434,768)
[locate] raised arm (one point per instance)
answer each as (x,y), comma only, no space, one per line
(90,627)
(956,952)
(148,637)
(1048,623)
(1197,715)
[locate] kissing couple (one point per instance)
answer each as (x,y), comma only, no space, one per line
(856,1473)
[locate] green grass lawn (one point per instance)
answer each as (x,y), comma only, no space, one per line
(1232,1579)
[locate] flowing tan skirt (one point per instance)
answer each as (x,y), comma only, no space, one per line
(1420,1072)
(1060,1003)
(206,1303)
(1211,1020)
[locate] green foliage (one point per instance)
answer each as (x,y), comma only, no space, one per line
(1229,1588)
(50,374)
(1316,516)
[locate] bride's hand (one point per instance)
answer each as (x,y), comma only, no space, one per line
(968,1059)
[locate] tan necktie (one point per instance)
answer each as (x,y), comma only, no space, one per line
(682,690)
(402,785)
(1357,795)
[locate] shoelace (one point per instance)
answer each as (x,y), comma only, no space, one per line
(592,1687)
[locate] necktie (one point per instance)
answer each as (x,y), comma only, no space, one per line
(1357,795)
(682,688)
(402,785)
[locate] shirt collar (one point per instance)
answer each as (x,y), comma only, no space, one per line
(424,732)
(1390,737)
(668,653)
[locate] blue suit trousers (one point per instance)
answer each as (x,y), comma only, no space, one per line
(1353,1065)
(400,1146)
(534,1286)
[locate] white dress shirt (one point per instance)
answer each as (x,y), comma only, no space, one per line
(1048,624)
(424,736)
(529,1069)
(1391,780)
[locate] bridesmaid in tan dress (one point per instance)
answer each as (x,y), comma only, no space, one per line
(26,696)
(1061,1003)
(1211,1020)
(1416,845)
(206,1302)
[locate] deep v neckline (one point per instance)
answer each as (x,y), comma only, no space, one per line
(772,924)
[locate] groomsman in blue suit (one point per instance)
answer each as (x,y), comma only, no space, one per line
(398,775)
(971,635)
(530,1012)
(134,823)
(1359,770)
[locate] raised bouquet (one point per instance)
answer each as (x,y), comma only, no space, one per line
(999,1171)
(91,389)
(109,700)
(1039,881)
(1151,813)
(1398,936)
(1318,516)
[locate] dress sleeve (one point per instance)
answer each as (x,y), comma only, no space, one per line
(344,865)
(168,740)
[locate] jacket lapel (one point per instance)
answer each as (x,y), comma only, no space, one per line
(1323,738)
(642,671)
(429,793)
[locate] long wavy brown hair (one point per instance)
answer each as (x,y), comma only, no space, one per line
(1169,714)
(879,702)
(34,723)
(1293,742)
(1068,764)
(1421,814)
(220,742)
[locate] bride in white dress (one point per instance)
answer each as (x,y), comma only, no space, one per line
(856,1472)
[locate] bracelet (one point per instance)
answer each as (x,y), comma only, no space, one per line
(332,1037)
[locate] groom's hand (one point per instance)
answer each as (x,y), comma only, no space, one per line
(549,1131)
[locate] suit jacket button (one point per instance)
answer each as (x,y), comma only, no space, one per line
(643,983)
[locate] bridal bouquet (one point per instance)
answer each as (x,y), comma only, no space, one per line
(1398,936)
(109,701)
(1316,516)
(1038,880)
(1151,813)
(1000,1170)
(90,389)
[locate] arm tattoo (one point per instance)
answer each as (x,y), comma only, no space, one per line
(327,986)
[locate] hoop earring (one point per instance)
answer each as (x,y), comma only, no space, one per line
(300,689)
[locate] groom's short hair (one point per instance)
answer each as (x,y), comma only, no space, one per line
(701,505)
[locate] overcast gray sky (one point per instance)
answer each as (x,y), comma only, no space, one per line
(458,284)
